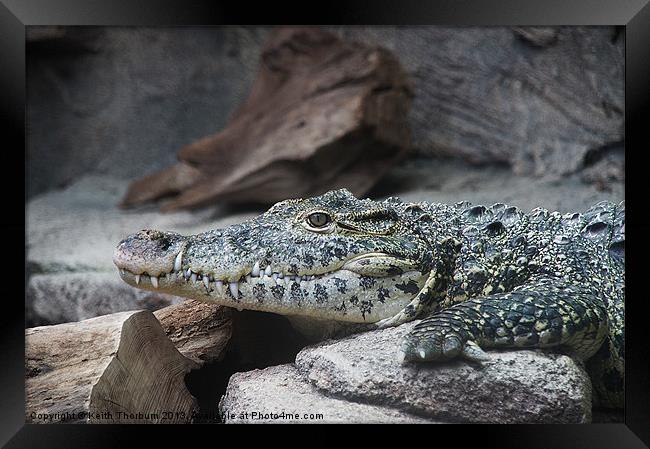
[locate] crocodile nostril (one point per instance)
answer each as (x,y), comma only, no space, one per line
(164,243)
(149,234)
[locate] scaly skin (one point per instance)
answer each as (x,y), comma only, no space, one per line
(480,277)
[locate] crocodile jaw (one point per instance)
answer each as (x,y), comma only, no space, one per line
(341,295)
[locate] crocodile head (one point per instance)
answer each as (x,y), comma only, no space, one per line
(332,257)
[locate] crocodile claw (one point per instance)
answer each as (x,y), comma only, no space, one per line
(426,345)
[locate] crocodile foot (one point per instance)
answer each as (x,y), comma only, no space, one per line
(430,342)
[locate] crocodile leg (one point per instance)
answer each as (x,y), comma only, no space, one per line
(422,302)
(547,314)
(427,300)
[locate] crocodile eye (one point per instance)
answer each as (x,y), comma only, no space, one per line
(318,219)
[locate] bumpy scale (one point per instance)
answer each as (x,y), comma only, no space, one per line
(480,277)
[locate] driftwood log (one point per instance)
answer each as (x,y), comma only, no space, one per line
(323,113)
(199,330)
(123,367)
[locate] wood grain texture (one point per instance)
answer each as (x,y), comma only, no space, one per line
(127,367)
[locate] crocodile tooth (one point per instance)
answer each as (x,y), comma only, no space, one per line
(194,276)
(248,278)
(255,272)
(178,260)
(422,353)
(137,279)
(206,282)
(218,285)
(280,275)
(275,276)
(188,273)
(268,271)
(234,289)
(154,281)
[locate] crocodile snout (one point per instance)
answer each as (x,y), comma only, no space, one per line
(149,252)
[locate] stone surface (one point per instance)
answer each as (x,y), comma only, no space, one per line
(537,99)
(449,181)
(63,297)
(278,395)
(78,228)
(511,387)
(122,101)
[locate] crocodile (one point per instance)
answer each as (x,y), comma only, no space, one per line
(477,277)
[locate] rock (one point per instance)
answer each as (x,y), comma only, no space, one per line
(323,113)
(511,387)
(605,167)
(449,181)
(63,297)
(278,395)
(537,36)
(537,99)
(125,106)
(78,228)
(482,94)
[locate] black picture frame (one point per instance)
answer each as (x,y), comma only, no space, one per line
(634,15)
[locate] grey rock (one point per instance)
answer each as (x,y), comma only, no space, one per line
(266,394)
(537,36)
(78,228)
(511,387)
(487,95)
(122,101)
(64,297)
(449,181)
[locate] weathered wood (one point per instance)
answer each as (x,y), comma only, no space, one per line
(323,113)
(64,362)
(145,381)
(199,330)
(123,367)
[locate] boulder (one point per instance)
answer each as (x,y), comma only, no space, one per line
(75,296)
(359,379)
(278,395)
(511,387)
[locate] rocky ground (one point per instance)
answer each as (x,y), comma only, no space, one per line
(71,234)
(359,379)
